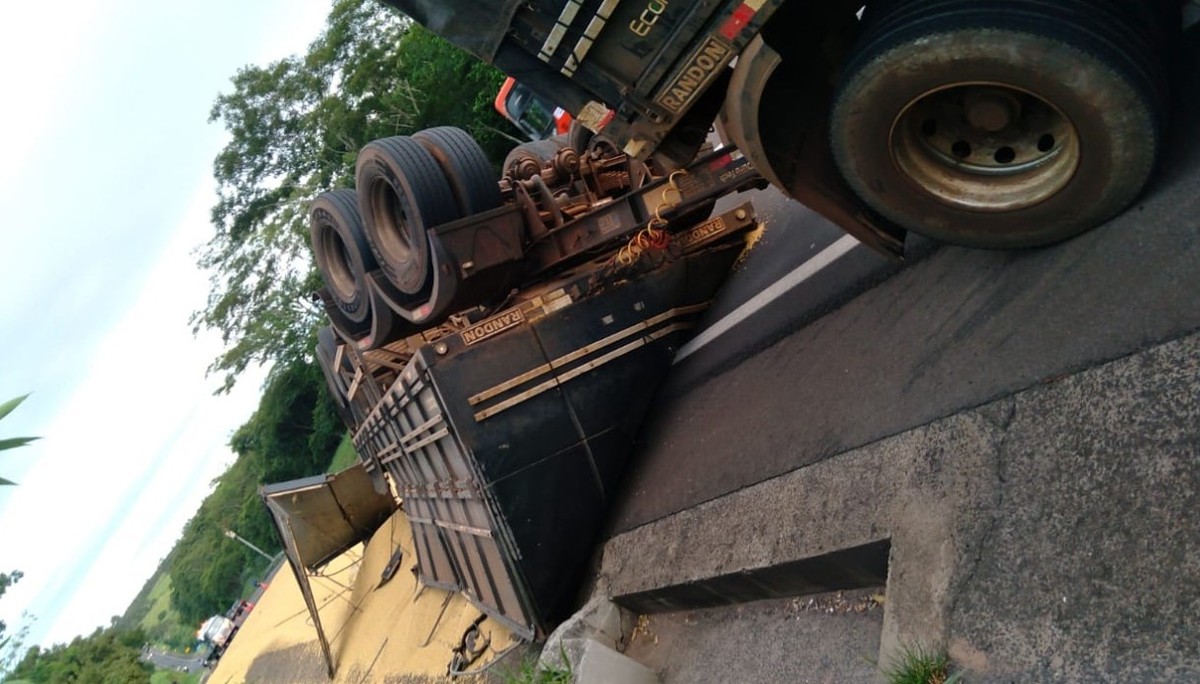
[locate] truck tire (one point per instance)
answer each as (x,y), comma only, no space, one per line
(341,251)
(326,353)
(348,329)
(326,350)
(465,166)
(1001,124)
(402,193)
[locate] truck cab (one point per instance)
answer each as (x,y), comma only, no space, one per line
(537,117)
(987,123)
(216,632)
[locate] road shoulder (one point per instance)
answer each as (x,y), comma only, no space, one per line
(1045,536)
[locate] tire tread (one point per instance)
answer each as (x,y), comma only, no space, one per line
(465,166)
(419,179)
(342,205)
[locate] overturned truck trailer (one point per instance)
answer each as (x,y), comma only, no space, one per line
(494,345)
(505,439)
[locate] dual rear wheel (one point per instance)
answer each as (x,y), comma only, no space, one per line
(405,187)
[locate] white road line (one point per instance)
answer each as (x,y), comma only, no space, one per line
(776,290)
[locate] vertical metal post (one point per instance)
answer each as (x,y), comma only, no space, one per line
(234,535)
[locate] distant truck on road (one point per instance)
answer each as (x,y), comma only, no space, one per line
(218,631)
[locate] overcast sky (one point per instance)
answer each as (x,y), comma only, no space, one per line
(105,187)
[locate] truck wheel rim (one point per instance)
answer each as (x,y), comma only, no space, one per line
(391,219)
(985,146)
(340,274)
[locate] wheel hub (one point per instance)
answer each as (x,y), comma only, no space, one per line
(990,110)
(985,147)
(340,277)
(392,235)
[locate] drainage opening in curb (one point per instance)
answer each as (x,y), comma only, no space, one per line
(852,568)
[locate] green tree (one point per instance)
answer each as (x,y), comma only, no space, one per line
(12,442)
(8,643)
(106,656)
(295,127)
(293,433)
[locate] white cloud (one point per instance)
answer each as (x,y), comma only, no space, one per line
(40,43)
(135,446)
(129,450)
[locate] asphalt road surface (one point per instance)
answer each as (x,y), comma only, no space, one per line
(194,662)
(173,661)
(852,347)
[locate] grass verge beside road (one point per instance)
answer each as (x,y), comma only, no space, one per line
(344,457)
(169,677)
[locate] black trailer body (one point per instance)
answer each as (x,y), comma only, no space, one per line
(505,440)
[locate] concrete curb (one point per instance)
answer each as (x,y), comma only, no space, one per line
(1046,536)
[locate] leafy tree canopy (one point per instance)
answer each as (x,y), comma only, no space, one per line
(10,643)
(295,127)
(7,579)
(293,433)
(106,656)
(11,442)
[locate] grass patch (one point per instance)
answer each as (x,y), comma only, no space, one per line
(170,677)
(344,457)
(915,665)
(528,672)
(160,603)
(162,624)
